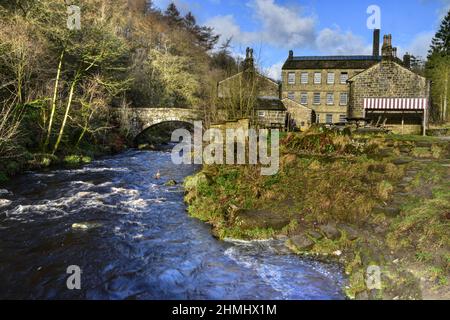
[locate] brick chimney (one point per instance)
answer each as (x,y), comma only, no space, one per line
(407,60)
(376,43)
(387,51)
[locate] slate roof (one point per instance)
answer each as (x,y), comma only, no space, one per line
(330,62)
(270,103)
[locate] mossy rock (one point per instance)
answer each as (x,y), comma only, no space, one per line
(262,219)
(192,183)
(171,183)
(301,242)
(330,231)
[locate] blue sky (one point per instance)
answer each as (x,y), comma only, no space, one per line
(315,27)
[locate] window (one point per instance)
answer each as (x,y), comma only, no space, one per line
(305,77)
(261,114)
(344,77)
(342,118)
(329,119)
(291,78)
(330,79)
(330,98)
(317,78)
(318,118)
(291,95)
(344,99)
(316,98)
(304,98)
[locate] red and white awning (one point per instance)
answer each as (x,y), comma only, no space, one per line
(396,103)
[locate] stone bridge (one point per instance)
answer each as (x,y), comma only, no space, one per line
(140,119)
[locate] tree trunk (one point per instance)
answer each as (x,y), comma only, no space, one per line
(66,114)
(55,95)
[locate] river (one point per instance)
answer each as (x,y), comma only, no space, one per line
(141,244)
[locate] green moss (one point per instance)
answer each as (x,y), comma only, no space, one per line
(3,177)
(72,160)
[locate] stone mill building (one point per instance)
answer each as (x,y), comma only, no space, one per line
(378,88)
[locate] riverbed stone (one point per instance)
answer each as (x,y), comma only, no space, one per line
(302,242)
(330,231)
(402,161)
(351,233)
(4,202)
(85,225)
(4,192)
(315,235)
(171,183)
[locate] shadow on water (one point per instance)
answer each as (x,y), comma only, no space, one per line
(139,242)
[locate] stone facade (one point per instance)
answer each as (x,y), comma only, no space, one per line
(320,83)
(301,116)
(387,79)
(336,108)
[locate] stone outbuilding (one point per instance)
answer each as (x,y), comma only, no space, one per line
(270,113)
(298,116)
(390,93)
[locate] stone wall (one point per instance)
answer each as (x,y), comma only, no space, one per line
(300,114)
(387,79)
(271,118)
(243,124)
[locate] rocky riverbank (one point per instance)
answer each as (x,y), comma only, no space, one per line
(380,201)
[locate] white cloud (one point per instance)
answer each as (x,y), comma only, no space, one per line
(288,28)
(334,41)
(283,26)
(274,71)
(227,27)
(280,26)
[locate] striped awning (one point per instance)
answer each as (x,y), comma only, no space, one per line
(396,103)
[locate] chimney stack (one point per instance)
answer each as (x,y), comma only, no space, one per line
(387,51)
(407,60)
(376,42)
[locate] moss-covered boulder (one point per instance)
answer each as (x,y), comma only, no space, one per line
(261,219)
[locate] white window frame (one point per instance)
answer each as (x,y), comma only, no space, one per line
(291,95)
(346,99)
(304,78)
(342,118)
(291,77)
(317,77)
(261,113)
(314,98)
(326,118)
(304,95)
(344,75)
(332,98)
(331,77)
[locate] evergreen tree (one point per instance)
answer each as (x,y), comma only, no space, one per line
(441,41)
(438,70)
(173,14)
